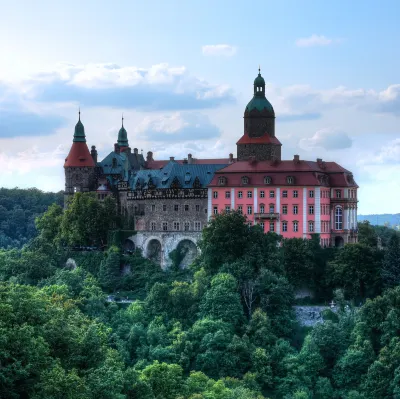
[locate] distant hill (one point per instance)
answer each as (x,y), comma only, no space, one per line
(18,210)
(392,220)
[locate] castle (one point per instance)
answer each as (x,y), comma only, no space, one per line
(170,201)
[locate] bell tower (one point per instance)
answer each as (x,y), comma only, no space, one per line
(79,165)
(258,141)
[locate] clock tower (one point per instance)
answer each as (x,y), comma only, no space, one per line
(258,141)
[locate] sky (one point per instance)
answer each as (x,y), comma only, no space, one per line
(181,73)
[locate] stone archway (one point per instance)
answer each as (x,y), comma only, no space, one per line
(154,250)
(339,242)
(186,252)
(129,245)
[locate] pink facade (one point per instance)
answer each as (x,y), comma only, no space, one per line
(305,205)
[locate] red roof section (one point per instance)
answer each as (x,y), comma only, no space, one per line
(79,156)
(245,139)
(305,173)
(195,161)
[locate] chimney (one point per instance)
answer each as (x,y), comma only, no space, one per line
(93,153)
(149,156)
(172,158)
(116,148)
(190,159)
(230,158)
(135,151)
(296,158)
(128,150)
(185,161)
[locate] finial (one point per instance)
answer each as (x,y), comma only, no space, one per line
(79,112)
(122,119)
(259,69)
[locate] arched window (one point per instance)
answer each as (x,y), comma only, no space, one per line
(245,180)
(290,179)
(267,180)
(338,218)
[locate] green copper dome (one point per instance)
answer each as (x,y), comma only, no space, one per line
(123,136)
(259,101)
(79,135)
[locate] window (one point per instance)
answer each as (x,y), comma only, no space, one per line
(295,209)
(176,226)
(338,218)
(164,207)
(197,208)
(262,194)
(205,210)
(262,209)
(153,208)
(271,227)
(311,193)
(290,180)
(249,210)
(338,193)
(295,226)
(187,226)
(153,226)
(249,194)
(295,194)
(262,225)
(240,194)
(227,194)
(284,194)
(311,227)
(227,208)
(215,194)
(176,207)
(284,226)
(284,209)
(311,210)
(165,226)
(245,180)
(221,181)
(197,226)
(267,180)
(186,207)
(215,210)
(272,208)
(240,209)
(272,194)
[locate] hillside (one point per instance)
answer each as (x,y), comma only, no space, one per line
(18,210)
(388,219)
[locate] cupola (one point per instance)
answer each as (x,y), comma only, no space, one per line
(123,136)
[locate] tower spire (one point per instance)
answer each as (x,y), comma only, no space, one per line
(122,119)
(259,69)
(79,113)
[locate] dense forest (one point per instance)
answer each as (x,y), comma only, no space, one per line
(224,328)
(18,210)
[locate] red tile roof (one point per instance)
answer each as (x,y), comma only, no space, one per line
(245,139)
(305,173)
(162,163)
(79,156)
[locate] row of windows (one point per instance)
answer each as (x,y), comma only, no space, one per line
(295,227)
(222,180)
(262,209)
(176,226)
(325,194)
(177,207)
(325,227)
(324,209)
(295,194)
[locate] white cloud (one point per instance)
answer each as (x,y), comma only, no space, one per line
(219,50)
(329,139)
(315,40)
(387,154)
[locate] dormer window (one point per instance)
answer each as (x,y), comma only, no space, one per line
(222,181)
(114,162)
(267,180)
(290,180)
(245,180)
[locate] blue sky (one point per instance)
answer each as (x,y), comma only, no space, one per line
(182,72)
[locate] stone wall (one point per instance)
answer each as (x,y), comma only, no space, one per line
(167,242)
(261,152)
(310,315)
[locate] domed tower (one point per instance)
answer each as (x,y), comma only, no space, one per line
(123,137)
(79,165)
(258,141)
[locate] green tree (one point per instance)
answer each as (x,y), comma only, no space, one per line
(391,263)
